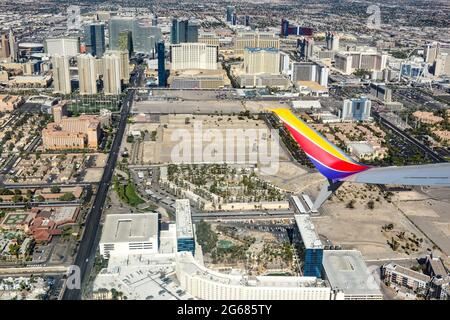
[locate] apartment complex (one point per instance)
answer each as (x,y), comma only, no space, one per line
(193,56)
(405,277)
(9,103)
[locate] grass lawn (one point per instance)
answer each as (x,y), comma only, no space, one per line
(127,193)
(133,198)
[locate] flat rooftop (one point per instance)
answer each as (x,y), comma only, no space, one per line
(308,232)
(188,264)
(134,227)
(183,219)
(346,271)
(361,147)
(312,85)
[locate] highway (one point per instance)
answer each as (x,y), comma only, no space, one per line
(433,155)
(88,245)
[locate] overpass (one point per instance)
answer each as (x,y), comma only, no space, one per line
(243,215)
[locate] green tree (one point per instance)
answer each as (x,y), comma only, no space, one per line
(206,237)
(68,196)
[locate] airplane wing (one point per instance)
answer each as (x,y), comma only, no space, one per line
(427,174)
(335,165)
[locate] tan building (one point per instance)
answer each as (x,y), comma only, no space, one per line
(4,47)
(9,103)
(59,111)
(28,68)
(187,81)
(442,65)
(255,40)
(427,117)
(263,80)
(257,60)
(349,61)
(87,74)
(112,83)
(444,135)
(124,64)
(71,133)
(61,75)
(30,81)
(4,77)
(193,56)
(209,38)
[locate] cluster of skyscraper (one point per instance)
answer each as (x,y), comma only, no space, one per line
(8,46)
(128,33)
(112,68)
(183,30)
(231,15)
(287,30)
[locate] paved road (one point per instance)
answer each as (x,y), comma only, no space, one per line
(433,155)
(46,185)
(12,160)
(20,271)
(88,245)
(41,204)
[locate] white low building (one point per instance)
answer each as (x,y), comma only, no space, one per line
(349,276)
(125,234)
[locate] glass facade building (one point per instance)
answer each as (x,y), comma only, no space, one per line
(162,77)
(312,252)
(144,35)
(183,31)
(95,39)
(313,263)
(186,244)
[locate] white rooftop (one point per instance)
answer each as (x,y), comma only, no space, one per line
(132,227)
(308,232)
(188,264)
(346,271)
(361,147)
(183,219)
(306,104)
